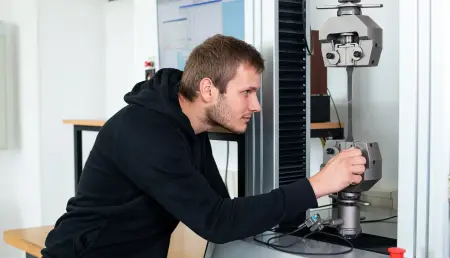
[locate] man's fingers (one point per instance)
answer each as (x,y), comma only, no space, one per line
(358,169)
(352,152)
(347,150)
(356,179)
(359,160)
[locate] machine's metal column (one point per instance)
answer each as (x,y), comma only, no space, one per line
(351,40)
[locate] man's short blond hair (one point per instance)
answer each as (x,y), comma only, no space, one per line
(218,59)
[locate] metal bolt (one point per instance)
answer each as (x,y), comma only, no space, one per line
(357,54)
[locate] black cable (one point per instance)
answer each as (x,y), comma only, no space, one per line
(279,248)
(335,108)
(206,249)
(286,234)
(279,236)
(226,166)
(377,220)
(304,29)
(325,205)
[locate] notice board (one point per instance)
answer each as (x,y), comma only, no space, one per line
(184,24)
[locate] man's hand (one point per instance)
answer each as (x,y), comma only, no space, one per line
(341,171)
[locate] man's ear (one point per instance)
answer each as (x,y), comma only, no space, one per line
(206,90)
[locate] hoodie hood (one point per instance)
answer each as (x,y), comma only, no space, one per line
(160,94)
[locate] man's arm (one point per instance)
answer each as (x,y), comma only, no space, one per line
(158,161)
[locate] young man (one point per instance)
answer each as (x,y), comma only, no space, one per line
(152,166)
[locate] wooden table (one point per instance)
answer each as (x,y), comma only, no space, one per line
(184,243)
(29,240)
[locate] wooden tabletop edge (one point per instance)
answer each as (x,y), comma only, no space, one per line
(23,245)
(327,125)
(87,122)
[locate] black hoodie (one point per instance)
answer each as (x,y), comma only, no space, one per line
(148,171)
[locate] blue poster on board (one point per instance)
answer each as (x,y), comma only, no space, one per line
(184,24)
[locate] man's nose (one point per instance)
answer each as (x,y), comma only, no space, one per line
(254,104)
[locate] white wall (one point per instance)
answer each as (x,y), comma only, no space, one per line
(119,18)
(20,202)
(111,41)
(375,91)
(95,40)
(145,36)
(72,73)
(131,38)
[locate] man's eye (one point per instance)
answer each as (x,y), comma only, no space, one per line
(246,92)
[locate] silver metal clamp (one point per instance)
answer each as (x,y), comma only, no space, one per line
(351,38)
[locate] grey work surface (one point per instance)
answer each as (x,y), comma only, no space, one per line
(251,248)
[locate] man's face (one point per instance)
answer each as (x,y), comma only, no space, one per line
(233,109)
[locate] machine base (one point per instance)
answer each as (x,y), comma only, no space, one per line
(379,230)
(307,248)
(366,242)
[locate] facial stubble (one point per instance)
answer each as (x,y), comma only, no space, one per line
(219,114)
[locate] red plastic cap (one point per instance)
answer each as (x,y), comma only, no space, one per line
(149,64)
(396,252)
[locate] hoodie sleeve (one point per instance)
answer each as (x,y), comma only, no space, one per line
(159,162)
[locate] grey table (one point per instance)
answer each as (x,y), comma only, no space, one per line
(251,248)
